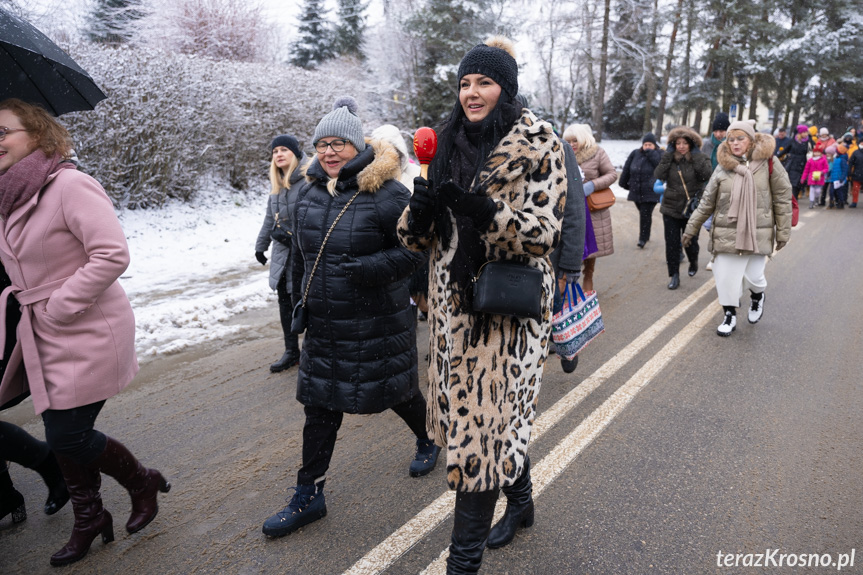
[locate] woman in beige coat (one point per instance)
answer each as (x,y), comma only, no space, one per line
(64,249)
(749,197)
(599,174)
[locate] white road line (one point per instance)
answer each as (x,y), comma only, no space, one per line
(553,464)
(409,534)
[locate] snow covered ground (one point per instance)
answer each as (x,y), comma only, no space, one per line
(193,265)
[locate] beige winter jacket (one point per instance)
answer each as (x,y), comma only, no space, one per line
(773,218)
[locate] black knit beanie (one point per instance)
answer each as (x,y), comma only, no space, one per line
(287,141)
(649,137)
(721,122)
(493,59)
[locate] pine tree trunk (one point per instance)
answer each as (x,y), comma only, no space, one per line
(660,117)
(603,74)
(651,74)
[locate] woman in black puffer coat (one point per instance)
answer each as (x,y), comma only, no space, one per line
(359,351)
(798,153)
(637,177)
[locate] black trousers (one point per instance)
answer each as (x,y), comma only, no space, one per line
(322,426)
(71,432)
(19,446)
(674,243)
(645,219)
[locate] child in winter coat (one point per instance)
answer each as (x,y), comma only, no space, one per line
(815,173)
(855,173)
(839,177)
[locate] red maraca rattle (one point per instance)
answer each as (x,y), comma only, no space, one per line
(425,147)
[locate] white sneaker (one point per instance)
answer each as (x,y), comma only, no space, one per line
(756,309)
(709,265)
(727,326)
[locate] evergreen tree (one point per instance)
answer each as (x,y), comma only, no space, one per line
(111,21)
(352,24)
(316,42)
(446,30)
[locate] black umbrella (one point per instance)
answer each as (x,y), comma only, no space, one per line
(37,71)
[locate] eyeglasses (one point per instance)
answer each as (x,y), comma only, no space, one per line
(336,145)
(737,139)
(4,131)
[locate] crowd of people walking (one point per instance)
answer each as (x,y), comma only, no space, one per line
(361,247)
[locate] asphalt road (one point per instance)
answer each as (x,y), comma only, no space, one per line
(666,450)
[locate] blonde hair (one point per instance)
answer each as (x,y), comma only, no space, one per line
(50,136)
(331,187)
(581,133)
(282,178)
(736,133)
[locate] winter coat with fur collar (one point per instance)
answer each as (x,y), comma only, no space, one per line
(773,204)
(694,168)
(359,352)
(484,381)
(597,168)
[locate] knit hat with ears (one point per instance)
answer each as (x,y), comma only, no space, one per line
(495,59)
(342,122)
(287,141)
(748,127)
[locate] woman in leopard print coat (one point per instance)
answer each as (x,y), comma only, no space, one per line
(496,191)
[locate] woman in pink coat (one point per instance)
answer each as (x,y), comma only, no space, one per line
(63,248)
(599,174)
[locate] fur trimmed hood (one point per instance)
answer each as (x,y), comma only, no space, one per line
(372,167)
(695,141)
(765,144)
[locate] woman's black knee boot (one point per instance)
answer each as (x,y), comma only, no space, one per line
(10,500)
(473,515)
(291,357)
(519,509)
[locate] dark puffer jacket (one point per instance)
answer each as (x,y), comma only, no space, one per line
(694,167)
(359,354)
(796,162)
(855,166)
(637,175)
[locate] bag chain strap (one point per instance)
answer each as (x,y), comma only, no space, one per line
(321,251)
(682,181)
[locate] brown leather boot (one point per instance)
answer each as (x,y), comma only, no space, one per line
(91,518)
(142,484)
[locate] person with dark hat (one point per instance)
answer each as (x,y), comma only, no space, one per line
(496,193)
(286,172)
(783,143)
(637,177)
(798,154)
(350,283)
(717,136)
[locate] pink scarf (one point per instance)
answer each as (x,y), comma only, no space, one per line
(25,178)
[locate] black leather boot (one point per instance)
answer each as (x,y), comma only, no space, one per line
(142,484)
(675,281)
(58,495)
(519,509)
(91,519)
(291,357)
(11,501)
(473,515)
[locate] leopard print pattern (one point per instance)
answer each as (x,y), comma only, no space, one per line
(484,383)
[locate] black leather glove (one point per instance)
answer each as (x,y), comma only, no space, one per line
(261,258)
(422,205)
(352,267)
(479,208)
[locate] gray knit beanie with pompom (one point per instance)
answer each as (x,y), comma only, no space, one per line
(342,122)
